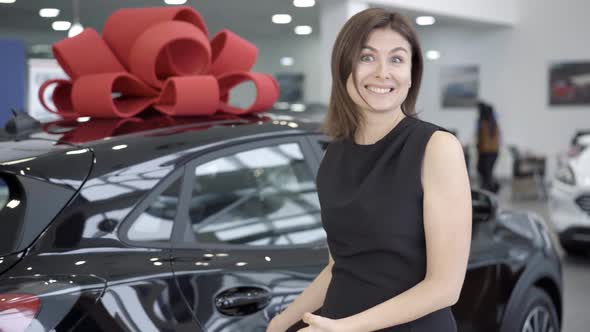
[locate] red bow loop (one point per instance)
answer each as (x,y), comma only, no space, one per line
(267,91)
(169,49)
(225,46)
(92,95)
(203,101)
(124,26)
(85,54)
(60,98)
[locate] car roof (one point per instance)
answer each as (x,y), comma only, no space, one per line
(118,143)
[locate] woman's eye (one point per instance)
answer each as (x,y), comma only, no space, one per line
(397,59)
(366,58)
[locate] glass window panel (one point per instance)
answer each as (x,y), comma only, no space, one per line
(263,196)
(155,223)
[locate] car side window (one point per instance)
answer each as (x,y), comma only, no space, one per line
(4,193)
(263,196)
(155,222)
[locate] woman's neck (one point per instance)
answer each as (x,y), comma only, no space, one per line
(377,125)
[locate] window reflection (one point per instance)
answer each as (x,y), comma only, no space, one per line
(264,196)
(4,194)
(155,223)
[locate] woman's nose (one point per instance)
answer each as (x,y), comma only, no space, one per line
(382,71)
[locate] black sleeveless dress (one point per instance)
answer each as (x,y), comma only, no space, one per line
(371,206)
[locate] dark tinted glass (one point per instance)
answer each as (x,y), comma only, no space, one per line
(4,194)
(264,196)
(155,223)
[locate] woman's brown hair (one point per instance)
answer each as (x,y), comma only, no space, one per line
(343,118)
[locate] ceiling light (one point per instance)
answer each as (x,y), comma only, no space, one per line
(287,61)
(298,107)
(303,30)
(303,3)
(76,29)
(61,25)
(175,2)
(425,20)
(432,54)
(281,18)
(49,12)
(7,1)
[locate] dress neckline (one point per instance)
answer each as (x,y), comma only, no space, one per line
(382,139)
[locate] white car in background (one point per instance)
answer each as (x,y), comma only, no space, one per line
(569,198)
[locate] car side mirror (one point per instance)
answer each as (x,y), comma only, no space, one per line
(484,205)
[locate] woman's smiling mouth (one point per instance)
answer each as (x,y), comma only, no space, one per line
(378,90)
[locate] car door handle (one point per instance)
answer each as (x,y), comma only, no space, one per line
(242,300)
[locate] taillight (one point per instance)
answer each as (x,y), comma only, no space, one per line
(17,311)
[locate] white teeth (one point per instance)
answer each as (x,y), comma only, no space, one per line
(379,90)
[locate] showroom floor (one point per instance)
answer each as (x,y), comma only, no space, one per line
(576,271)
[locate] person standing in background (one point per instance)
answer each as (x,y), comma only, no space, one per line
(488,144)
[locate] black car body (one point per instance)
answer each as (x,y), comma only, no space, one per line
(207,224)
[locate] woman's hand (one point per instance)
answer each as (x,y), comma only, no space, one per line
(322,324)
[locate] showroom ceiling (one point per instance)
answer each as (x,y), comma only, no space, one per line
(251,18)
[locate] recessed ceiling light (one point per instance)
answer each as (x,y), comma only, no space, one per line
(61,25)
(297,107)
(175,2)
(281,18)
(303,3)
(425,20)
(48,12)
(432,54)
(303,30)
(76,29)
(7,1)
(287,61)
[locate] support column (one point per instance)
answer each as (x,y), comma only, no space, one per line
(333,15)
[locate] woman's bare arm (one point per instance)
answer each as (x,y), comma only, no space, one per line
(311,299)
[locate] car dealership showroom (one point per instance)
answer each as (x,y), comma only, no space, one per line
(180,165)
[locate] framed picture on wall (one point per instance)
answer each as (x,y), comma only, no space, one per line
(569,83)
(459,86)
(291,87)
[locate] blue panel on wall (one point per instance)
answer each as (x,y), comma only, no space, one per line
(12,76)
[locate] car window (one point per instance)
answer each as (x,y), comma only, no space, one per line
(155,223)
(263,196)
(4,194)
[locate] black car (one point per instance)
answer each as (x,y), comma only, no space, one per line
(209,224)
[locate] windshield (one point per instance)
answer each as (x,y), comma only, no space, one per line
(3,194)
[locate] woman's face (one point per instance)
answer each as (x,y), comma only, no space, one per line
(383,73)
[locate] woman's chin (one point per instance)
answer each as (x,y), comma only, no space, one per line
(382,108)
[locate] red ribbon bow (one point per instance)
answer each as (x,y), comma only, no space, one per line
(155,57)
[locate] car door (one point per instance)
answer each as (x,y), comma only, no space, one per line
(248,238)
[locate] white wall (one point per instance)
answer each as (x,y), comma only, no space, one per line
(514,75)
(501,12)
